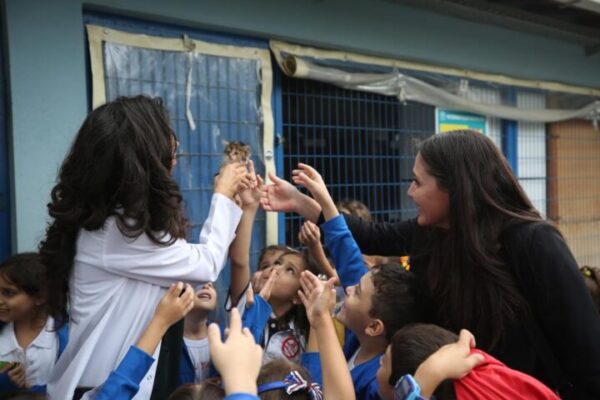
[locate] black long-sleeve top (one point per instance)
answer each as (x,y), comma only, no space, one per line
(550,281)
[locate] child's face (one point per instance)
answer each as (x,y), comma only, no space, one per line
(386,391)
(289,267)
(354,313)
(269,258)
(15,304)
(205,298)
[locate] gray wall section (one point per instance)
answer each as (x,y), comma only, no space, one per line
(47,77)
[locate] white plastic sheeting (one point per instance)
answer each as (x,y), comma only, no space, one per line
(406,88)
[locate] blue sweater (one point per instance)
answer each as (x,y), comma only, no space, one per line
(124,382)
(255,318)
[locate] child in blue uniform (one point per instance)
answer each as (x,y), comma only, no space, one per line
(194,365)
(378,302)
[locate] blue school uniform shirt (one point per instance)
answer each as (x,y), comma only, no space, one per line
(187,372)
(287,343)
(6,384)
(124,382)
(254,317)
(350,267)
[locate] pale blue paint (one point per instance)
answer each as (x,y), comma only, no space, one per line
(47,71)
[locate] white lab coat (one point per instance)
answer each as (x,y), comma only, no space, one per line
(114,288)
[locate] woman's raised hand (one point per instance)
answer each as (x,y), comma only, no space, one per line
(280,196)
(233,178)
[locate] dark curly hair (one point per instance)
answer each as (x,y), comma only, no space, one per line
(119,165)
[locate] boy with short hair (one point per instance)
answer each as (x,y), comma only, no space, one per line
(378,302)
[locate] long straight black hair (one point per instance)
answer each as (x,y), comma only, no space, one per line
(119,165)
(471,284)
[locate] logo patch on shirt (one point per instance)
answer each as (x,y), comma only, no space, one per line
(290,347)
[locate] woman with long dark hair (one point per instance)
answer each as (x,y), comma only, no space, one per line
(491,263)
(116,240)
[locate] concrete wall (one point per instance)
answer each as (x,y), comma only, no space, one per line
(47,75)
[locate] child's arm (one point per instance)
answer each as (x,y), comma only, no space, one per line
(283,196)
(123,383)
(310,236)
(173,306)
(318,297)
(312,180)
(452,361)
(258,310)
(233,178)
(239,251)
(343,248)
(238,359)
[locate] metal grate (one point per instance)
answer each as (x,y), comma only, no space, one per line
(361,143)
(224,99)
(574,186)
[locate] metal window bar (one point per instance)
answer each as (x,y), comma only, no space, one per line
(223,104)
(361,143)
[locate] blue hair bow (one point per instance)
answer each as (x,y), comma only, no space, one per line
(294,382)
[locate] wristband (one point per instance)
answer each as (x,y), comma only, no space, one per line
(407,388)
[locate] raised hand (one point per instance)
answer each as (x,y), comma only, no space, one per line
(309,235)
(175,305)
(238,358)
(251,196)
(280,196)
(233,178)
(256,281)
(309,177)
(317,296)
(267,285)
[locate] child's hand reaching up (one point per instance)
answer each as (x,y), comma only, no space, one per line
(233,178)
(238,359)
(309,235)
(317,296)
(309,177)
(251,196)
(283,196)
(173,306)
(264,288)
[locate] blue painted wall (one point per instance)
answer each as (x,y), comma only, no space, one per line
(47,70)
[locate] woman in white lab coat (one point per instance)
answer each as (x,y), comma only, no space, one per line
(116,240)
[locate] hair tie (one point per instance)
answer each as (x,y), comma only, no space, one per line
(294,382)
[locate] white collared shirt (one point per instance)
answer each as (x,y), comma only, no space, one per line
(200,357)
(115,285)
(38,358)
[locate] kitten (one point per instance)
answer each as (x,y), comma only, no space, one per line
(235,152)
